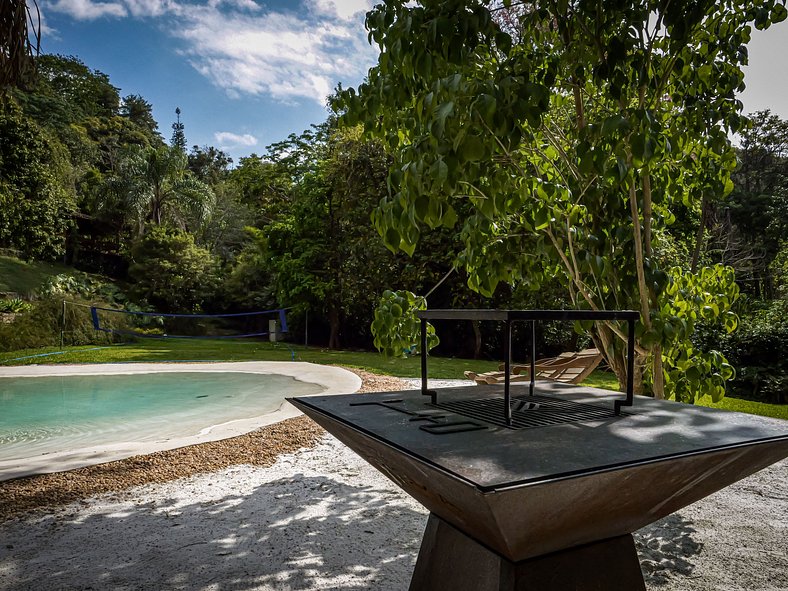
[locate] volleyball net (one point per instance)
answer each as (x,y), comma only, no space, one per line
(190,326)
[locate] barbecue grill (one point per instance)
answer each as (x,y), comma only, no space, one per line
(539,486)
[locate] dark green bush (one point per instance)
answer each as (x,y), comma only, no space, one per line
(171,273)
(758,349)
(36,205)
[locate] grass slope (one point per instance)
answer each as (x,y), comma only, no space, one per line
(172,350)
(21,277)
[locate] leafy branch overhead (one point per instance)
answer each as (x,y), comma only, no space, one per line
(396,327)
(574,131)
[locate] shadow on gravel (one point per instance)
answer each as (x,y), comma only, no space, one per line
(363,538)
(665,547)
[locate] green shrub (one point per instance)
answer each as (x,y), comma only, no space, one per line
(758,350)
(40,326)
(13,305)
(171,273)
(84,286)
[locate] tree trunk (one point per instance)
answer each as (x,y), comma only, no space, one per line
(616,358)
(334,323)
(699,236)
(619,367)
(477,342)
(658,376)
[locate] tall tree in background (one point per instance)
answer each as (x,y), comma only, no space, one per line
(36,202)
(572,129)
(87,92)
(153,186)
(209,164)
(178,139)
(753,221)
(140,112)
(224,233)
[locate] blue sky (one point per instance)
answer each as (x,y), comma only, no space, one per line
(246,73)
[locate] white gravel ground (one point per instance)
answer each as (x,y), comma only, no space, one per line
(323,519)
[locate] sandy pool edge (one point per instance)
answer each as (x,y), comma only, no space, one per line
(335,380)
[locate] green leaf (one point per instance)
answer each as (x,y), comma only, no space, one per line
(421,206)
(472,149)
(541,218)
(442,112)
(614,124)
(392,238)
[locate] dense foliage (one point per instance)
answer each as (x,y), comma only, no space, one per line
(506,144)
(575,131)
(171,273)
(36,202)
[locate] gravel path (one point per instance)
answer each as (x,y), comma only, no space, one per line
(320,518)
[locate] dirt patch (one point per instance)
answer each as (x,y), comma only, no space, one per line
(260,448)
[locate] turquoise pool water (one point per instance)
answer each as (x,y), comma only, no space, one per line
(42,414)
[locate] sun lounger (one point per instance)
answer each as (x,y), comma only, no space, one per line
(570,368)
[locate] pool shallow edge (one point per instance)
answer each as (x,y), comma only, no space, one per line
(334,380)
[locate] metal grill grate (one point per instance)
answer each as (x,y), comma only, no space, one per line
(529,411)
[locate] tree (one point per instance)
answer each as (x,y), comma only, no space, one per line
(87,92)
(178,139)
(224,232)
(153,185)
(36,206)
(313,241)
(170,272)
(140,112)
(753,219)
(572,129)
(263,185)
(209,164)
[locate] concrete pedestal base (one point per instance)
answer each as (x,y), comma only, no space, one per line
(448,559)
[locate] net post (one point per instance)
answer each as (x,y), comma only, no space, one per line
(62,325)
(282,321)
(533,357)
(507,367)
(94,316)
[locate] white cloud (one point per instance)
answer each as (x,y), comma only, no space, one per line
(250,5)
(244,47)
(344,9)
(47,32)
(228,139)
(284,55)
(148,8)
(88,9)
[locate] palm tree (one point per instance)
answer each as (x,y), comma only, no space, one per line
(154,186)
(16,46)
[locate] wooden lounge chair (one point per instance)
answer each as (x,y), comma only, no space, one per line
(569,368)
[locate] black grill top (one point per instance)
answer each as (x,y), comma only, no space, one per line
(463,434)
(529,411)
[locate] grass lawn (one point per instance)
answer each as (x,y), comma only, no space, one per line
(161,350)
(246,350)
(22,277)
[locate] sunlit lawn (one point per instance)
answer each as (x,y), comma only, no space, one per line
(163,350)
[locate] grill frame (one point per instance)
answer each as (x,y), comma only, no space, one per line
(508,317)
(551,411)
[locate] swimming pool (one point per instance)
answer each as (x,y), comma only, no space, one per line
(57,417)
